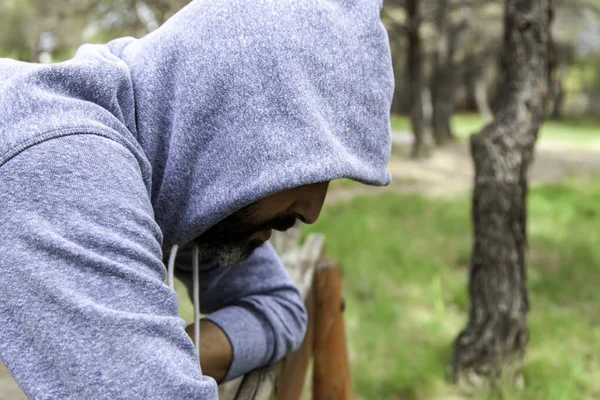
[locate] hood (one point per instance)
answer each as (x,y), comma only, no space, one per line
(237,100)
(226,103)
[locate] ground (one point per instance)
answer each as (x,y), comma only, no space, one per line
(405,250)
(447,174)
(449,170)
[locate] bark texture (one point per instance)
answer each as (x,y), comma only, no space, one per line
(496,335)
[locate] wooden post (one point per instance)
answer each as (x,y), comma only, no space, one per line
(331,374)
(295,366)
(319,283)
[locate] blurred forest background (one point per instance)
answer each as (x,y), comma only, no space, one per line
(460,39)
(406,251)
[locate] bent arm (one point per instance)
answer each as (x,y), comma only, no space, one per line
(254,303)
(84,313)
(216,352)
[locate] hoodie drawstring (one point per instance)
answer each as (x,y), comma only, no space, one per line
(196,288)
(196,277)
(171,267)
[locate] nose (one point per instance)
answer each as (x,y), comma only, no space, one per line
(309,202)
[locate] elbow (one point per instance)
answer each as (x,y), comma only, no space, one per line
(299,333)
(289,329)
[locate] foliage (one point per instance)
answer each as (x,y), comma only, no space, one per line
(52,30)
(405,260)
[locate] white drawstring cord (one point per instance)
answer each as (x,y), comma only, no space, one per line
(196,286)
(171,267)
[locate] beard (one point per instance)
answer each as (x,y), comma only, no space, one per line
(228,242)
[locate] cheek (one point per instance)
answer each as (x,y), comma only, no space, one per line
(273,205)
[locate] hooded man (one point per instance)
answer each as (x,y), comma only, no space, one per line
(223,124)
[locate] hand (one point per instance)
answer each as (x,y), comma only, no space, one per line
(216,352)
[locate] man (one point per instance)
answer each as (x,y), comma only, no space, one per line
(225,123)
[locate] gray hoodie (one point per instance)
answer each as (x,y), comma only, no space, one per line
(135,146)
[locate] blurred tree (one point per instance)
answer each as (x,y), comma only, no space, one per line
(496,333)
(434,31)
(562,56)
(414,72)
(444,77)
(12,40)
(117,18)
(51,30)
(570,21)
(477,80)
(403,19)
(41,30)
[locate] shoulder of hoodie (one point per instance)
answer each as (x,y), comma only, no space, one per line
(84,95)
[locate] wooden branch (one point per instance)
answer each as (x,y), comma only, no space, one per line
(331,374)
(311,253)
(319,282)
(286,242)
(260,384)
(295,366)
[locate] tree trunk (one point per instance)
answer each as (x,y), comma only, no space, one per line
(557,92)
(427,109)
(414,72)
(442,90)
(482,101)
(443,79)
(496,334)
(471,71)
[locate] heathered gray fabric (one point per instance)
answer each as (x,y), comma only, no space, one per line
(84,313)
(264,95)
(137,145)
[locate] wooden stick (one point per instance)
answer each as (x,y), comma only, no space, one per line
(295,366)
(331,374)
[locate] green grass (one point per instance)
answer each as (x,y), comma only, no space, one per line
(580,130)
(342,183)
(404,262)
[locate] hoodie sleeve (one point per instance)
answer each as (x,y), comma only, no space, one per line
(255,303)
(84,312)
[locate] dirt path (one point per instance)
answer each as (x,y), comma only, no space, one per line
(449,171)
(9,390)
